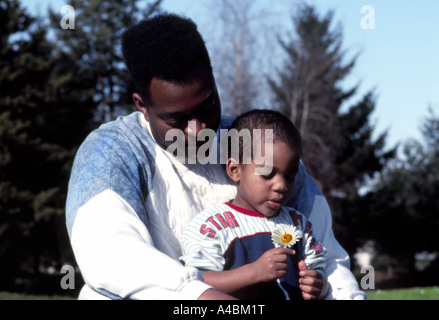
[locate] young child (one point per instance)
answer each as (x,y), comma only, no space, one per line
(242,246)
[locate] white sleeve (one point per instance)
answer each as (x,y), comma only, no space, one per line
(343,285)
(201,246)
(117,257)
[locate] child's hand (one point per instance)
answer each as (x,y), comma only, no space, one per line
(312,283)
(272,264)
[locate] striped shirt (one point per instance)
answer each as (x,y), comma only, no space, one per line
(226,237)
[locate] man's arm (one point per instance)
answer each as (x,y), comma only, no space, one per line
(343,285)
(118,259)
(109,226)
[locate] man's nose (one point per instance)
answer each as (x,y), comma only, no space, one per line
(194,127)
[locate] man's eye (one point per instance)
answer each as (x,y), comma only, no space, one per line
(207,107)
(176,123)
(171,123)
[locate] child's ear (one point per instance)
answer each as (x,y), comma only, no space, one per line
(233,169)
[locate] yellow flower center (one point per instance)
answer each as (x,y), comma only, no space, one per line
(286,238)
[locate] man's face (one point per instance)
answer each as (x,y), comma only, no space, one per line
(175,104)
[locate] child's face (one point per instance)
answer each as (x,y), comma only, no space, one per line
(267,193)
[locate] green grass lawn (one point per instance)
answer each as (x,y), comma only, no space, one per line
(20,296)
(424,293)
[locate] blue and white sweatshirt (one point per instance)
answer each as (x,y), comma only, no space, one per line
(129,202)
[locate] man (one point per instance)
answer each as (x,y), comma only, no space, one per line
(129,198)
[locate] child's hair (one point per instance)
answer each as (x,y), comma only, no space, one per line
(165,46)
(283,130)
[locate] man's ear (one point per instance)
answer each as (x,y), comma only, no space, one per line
(233,170)
(141,106)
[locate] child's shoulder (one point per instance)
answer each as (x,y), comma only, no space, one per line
(211,211)
(299,219)
(292,211)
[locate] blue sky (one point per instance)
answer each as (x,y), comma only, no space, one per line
(399,58)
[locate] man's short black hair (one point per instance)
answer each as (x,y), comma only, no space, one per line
(166,46)
(283,128)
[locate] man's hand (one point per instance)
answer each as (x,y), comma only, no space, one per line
(312,283)
(271,265)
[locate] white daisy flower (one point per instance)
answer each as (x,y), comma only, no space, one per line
(285,236)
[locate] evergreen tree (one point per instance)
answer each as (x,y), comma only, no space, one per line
(48,95)
(359,159)
(94,47)
(403,207)
(430,131)
(32,165)
(309,89)
(338,147)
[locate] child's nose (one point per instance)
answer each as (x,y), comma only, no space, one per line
(280,184)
